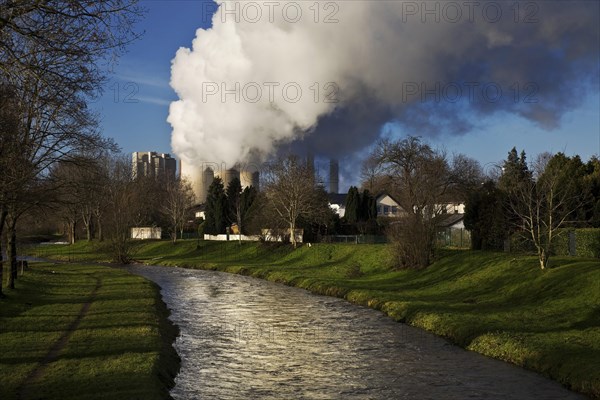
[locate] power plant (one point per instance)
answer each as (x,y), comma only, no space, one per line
(201,177)
(151,163)
(334,176)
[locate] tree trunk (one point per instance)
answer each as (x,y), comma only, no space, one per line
(2,221)
(11,237)
(87,220)
(543,257)
(72,225)
(99,223)
(293,234)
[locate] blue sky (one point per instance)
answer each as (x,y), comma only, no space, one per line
(134,107)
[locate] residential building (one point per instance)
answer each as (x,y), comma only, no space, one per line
(387,206)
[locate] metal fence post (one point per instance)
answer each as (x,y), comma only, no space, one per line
(572,244)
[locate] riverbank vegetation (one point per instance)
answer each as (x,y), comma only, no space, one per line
(79,331)
(497,304)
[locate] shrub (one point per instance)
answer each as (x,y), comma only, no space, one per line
(587,242)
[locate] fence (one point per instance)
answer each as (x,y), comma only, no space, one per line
(582,242)
(454,237)
(357,239)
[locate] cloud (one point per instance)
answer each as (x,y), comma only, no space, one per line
(327,76)
(154,100)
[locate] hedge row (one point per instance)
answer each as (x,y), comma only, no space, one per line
(587,243)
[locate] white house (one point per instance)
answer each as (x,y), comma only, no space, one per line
(454,207)
(387,206)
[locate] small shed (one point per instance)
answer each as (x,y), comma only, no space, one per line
(146,232)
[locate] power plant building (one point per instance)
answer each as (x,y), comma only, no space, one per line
(334,176)
(203,176)
(151,163)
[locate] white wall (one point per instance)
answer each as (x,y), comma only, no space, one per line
(387,207)
(146,232)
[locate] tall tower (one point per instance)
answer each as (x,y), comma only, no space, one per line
(310,162)
(227,175)
(334,176)
(199,177)
(151,163)
(249,175)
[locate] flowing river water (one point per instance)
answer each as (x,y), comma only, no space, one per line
(245,338)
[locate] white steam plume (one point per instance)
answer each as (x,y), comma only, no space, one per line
(369,56)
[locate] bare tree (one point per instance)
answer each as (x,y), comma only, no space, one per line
(466,176)
(64,44)
(544,203)
(122,208)
(291,190)
(53,56)
(178,200)
(78,182)
(373,175)
(421,178)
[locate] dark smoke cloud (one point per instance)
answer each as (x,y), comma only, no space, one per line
(387,65)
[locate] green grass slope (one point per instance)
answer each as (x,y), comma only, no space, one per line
(496,304)
(118,347)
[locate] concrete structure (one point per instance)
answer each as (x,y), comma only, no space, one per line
(151,163)
(227,175)
(146,232)
(334,176)
(268,235)
(310,162)
(201,177)
(250,176)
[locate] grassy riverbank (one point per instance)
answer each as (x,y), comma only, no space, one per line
(500,305)
(85,332)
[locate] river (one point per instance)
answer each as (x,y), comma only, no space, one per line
(245,338)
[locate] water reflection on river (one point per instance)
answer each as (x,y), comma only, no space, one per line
(244,338)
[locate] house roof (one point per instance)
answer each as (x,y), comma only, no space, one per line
(383,194)
(337,198)
(198,207)
(447,220)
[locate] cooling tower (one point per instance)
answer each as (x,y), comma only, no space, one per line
(202,177)
(208,176)
(227,175)
(249,176)
(199,177)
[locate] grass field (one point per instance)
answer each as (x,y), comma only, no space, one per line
(84,332)
(500,305)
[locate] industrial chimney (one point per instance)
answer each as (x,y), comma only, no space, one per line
(334,176)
